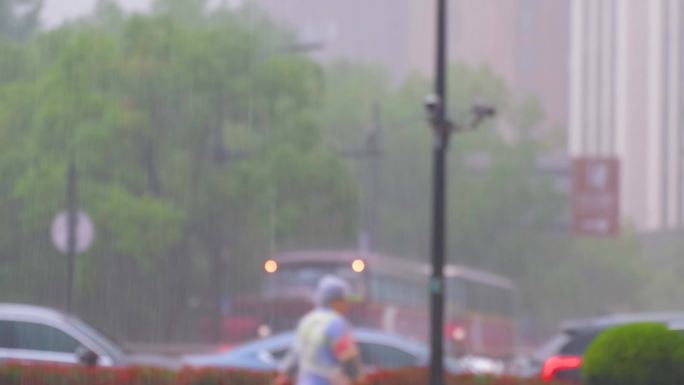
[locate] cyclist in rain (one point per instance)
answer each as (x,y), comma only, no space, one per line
(324,352)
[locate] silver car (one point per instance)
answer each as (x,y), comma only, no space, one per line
(33,334)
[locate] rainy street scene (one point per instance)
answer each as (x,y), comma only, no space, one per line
(341,192)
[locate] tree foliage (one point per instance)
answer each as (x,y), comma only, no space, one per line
(195,143)
(635,354)
(203,144)
(504,208)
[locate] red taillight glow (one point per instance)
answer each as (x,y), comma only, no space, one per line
(559,363)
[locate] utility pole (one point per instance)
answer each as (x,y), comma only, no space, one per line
(373,152)
(220,158)
(72,212)
(442,131)
(72,232)
(436,105)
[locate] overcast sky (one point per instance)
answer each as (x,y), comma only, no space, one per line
(56,11)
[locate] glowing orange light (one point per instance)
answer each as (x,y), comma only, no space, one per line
(358,266)
(271,266)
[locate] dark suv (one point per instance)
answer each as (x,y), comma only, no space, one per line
(561,358)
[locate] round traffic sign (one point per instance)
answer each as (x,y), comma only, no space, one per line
(85,232)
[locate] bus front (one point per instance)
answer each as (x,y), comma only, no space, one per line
(288,290)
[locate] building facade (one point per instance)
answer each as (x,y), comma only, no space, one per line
(525,41)
(626,89)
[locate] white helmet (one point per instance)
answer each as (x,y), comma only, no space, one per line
(331,289)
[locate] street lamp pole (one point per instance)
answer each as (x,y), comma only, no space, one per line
(442,131)
(436,105)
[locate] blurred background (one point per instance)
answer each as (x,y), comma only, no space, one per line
(226,154)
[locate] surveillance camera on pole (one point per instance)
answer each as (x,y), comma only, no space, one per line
(432,101)
(480,113)
(436,113)
(483,111)
(435,105)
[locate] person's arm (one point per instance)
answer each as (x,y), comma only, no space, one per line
(347,354)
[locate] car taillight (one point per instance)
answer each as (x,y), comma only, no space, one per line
(558,364)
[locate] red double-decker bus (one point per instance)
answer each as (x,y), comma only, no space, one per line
(389,293)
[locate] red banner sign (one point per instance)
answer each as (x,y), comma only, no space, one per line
(596,196)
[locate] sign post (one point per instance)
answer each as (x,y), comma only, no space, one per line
(72,232)
(84,231)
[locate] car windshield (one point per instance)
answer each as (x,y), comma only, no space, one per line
(552,346)
(579,342)
(570,343)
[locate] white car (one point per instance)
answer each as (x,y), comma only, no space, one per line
(38,335)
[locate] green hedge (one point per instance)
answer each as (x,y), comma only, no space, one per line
(56,375)
(635,354)
(679,364)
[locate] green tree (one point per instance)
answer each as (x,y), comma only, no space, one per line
(494,183)
(503,208)
(193,143)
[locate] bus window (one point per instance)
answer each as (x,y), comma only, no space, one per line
(456,291)
(387,289)
(375,287)
(395,290)
(398,291)
(417,295)
(487,299)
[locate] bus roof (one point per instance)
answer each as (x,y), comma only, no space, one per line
(373,260)
(393,264)
(457,271)
(343,256)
